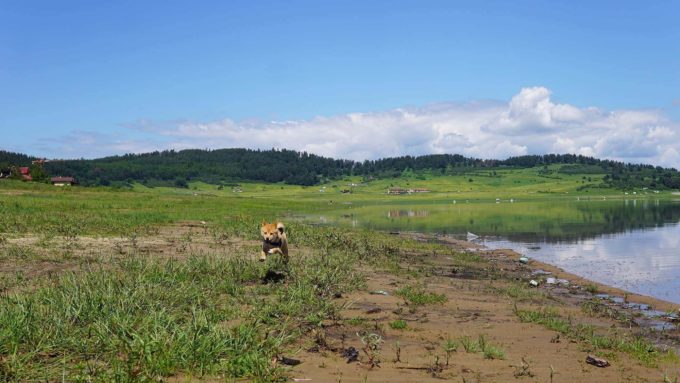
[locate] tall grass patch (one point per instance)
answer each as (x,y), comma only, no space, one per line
(418,296)
(145,319)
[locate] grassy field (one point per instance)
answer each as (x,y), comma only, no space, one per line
(29,206)
(477,185)
(161,284)
(111,312)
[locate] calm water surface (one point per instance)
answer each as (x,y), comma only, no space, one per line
(630,244)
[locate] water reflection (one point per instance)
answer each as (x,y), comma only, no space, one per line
(552,222)
(644,261)
(632,244)
(595,219)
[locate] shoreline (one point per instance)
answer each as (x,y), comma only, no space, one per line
(541,269)
(485,294)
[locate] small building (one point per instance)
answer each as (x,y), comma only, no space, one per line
(396,191)
(25,173)
(63,181)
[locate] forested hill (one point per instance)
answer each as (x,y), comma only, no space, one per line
(292,167)
(212,166)
(8,159)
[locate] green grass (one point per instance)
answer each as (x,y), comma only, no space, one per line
(520,292)
(143,318)
(548,317)
(416,295)
(32,207)
(398,324)
(637,347)
(481,345)
(126,316)
(591,288)
(599,308)
(130,316)
(357,321)
(469,344)
(149,319)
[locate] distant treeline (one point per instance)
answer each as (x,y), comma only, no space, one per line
(300,168)
(211,166)
(8,159)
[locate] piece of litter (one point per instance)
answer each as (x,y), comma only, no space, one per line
(289,361)
(551,281)
(301,379)
(533,283)
(595,361)
(380,292)
(523,260)
(351,354)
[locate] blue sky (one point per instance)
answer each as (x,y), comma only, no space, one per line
(88,78)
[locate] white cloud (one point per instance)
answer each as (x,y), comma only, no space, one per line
(530,123)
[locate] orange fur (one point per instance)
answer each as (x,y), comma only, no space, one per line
(274,235)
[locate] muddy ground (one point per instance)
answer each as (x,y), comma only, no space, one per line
(476,305)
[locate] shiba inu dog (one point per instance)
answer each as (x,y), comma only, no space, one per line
(273,240)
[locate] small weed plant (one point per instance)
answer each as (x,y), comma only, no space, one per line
(372,346)
(481,345)
(417,296)
(398,324)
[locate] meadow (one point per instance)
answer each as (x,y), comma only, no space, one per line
(100,210)
(115,311)
(161,284)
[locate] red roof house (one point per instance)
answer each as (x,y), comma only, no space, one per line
(25,173)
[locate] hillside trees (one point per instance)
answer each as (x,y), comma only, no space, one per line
(302,168)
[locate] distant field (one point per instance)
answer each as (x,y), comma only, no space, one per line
(38,207)
(26,206)
(476,185)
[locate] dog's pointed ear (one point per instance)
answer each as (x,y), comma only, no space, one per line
(280,227)
(263,223)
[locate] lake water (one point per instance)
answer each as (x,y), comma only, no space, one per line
(631,244)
